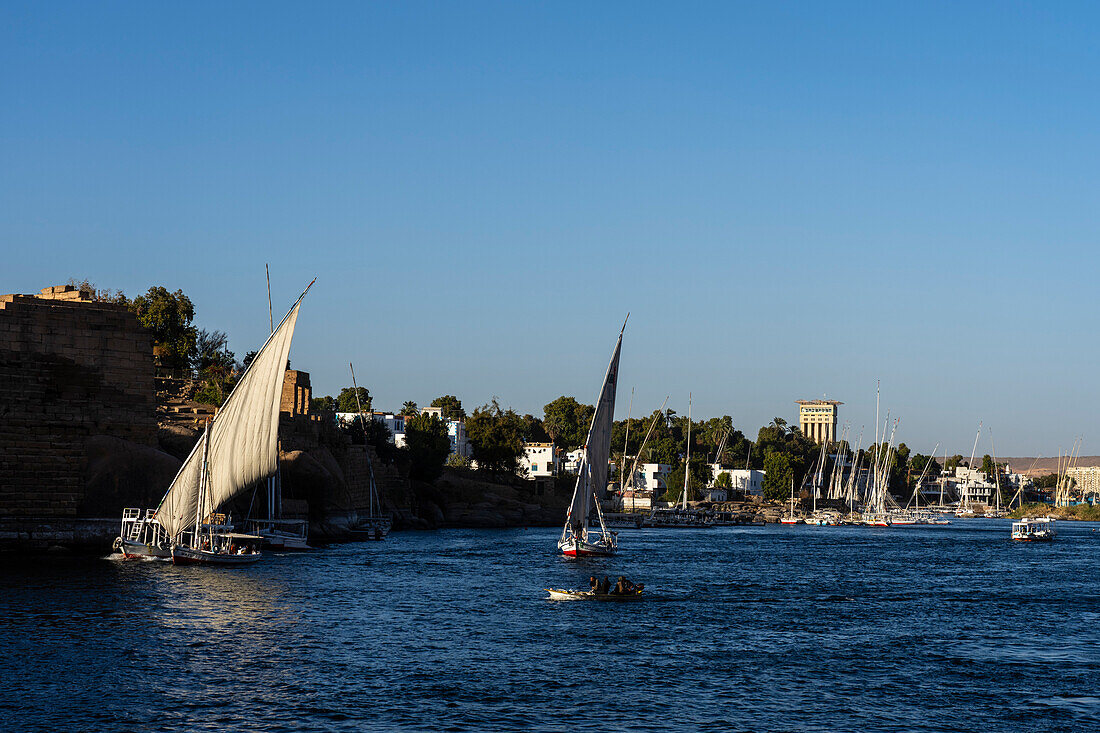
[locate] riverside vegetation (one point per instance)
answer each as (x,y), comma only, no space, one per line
(497,434)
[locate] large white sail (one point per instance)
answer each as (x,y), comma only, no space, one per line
(243,437)
(592,477)
(178,507)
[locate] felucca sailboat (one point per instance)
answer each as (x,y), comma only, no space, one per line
(238,448)
(578,538)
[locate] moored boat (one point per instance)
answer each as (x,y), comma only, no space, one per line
(281,534)
(677,518)
(624,521)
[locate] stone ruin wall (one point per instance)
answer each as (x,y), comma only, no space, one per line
(70,369)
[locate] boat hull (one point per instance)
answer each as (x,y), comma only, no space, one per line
(281,543)
(579,548)
(587,595)
(141,551)
(189,556)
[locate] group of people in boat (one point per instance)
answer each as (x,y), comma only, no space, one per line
(622,587)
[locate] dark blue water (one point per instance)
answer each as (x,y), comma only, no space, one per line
(756,629)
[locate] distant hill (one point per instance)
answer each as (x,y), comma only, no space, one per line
(1044,465)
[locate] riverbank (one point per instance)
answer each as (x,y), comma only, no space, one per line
(1079,512)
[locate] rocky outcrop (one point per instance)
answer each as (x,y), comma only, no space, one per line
(119,473)
(461,499)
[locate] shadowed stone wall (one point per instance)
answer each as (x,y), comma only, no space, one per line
(70,369)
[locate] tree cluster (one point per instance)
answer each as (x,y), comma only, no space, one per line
(496,438)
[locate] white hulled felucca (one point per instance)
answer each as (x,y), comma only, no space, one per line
(578,537)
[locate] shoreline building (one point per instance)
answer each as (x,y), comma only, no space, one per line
(540,460)
(746,480)
(1086,482)
(817,419)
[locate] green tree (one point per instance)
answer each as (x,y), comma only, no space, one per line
(168,315)
(428,446)
(322,404)
(456,461)
(216,366)
(724,481)
(954,462)
(533,430)
(212,352)
(496,438)
(698,480)
(452,407)
(410,409)
(987,466)
(567,421)
(919,461)
(345,401)
(211,392)
(1046,482)
(778,476)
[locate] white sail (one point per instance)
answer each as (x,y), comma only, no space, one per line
(592,476)
(243,437)
(177,509)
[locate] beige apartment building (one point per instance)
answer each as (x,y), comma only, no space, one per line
(817,419)
(1086,480)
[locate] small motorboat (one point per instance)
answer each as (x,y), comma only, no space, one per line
(587,595)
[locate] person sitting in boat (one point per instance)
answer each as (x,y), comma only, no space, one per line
(623,587)
(604,586)
(593,584)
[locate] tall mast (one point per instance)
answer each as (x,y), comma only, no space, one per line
(996,471)
(370,466)
(687,461)
(204,476)
(970,466)
(641,448)
(274,484)
(878,389)
(626,447)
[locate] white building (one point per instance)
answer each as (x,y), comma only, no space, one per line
(460,444)
(746,480)
(652,477)
(394,423)
(974,485)
(572,462)
(539,460)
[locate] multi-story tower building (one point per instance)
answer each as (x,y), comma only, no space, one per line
(817,419)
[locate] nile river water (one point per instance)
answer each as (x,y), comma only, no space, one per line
(758,629)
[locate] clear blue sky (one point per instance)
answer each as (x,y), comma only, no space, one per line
(791,199)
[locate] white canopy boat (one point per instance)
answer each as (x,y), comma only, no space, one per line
(578,537)
(1040,529)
